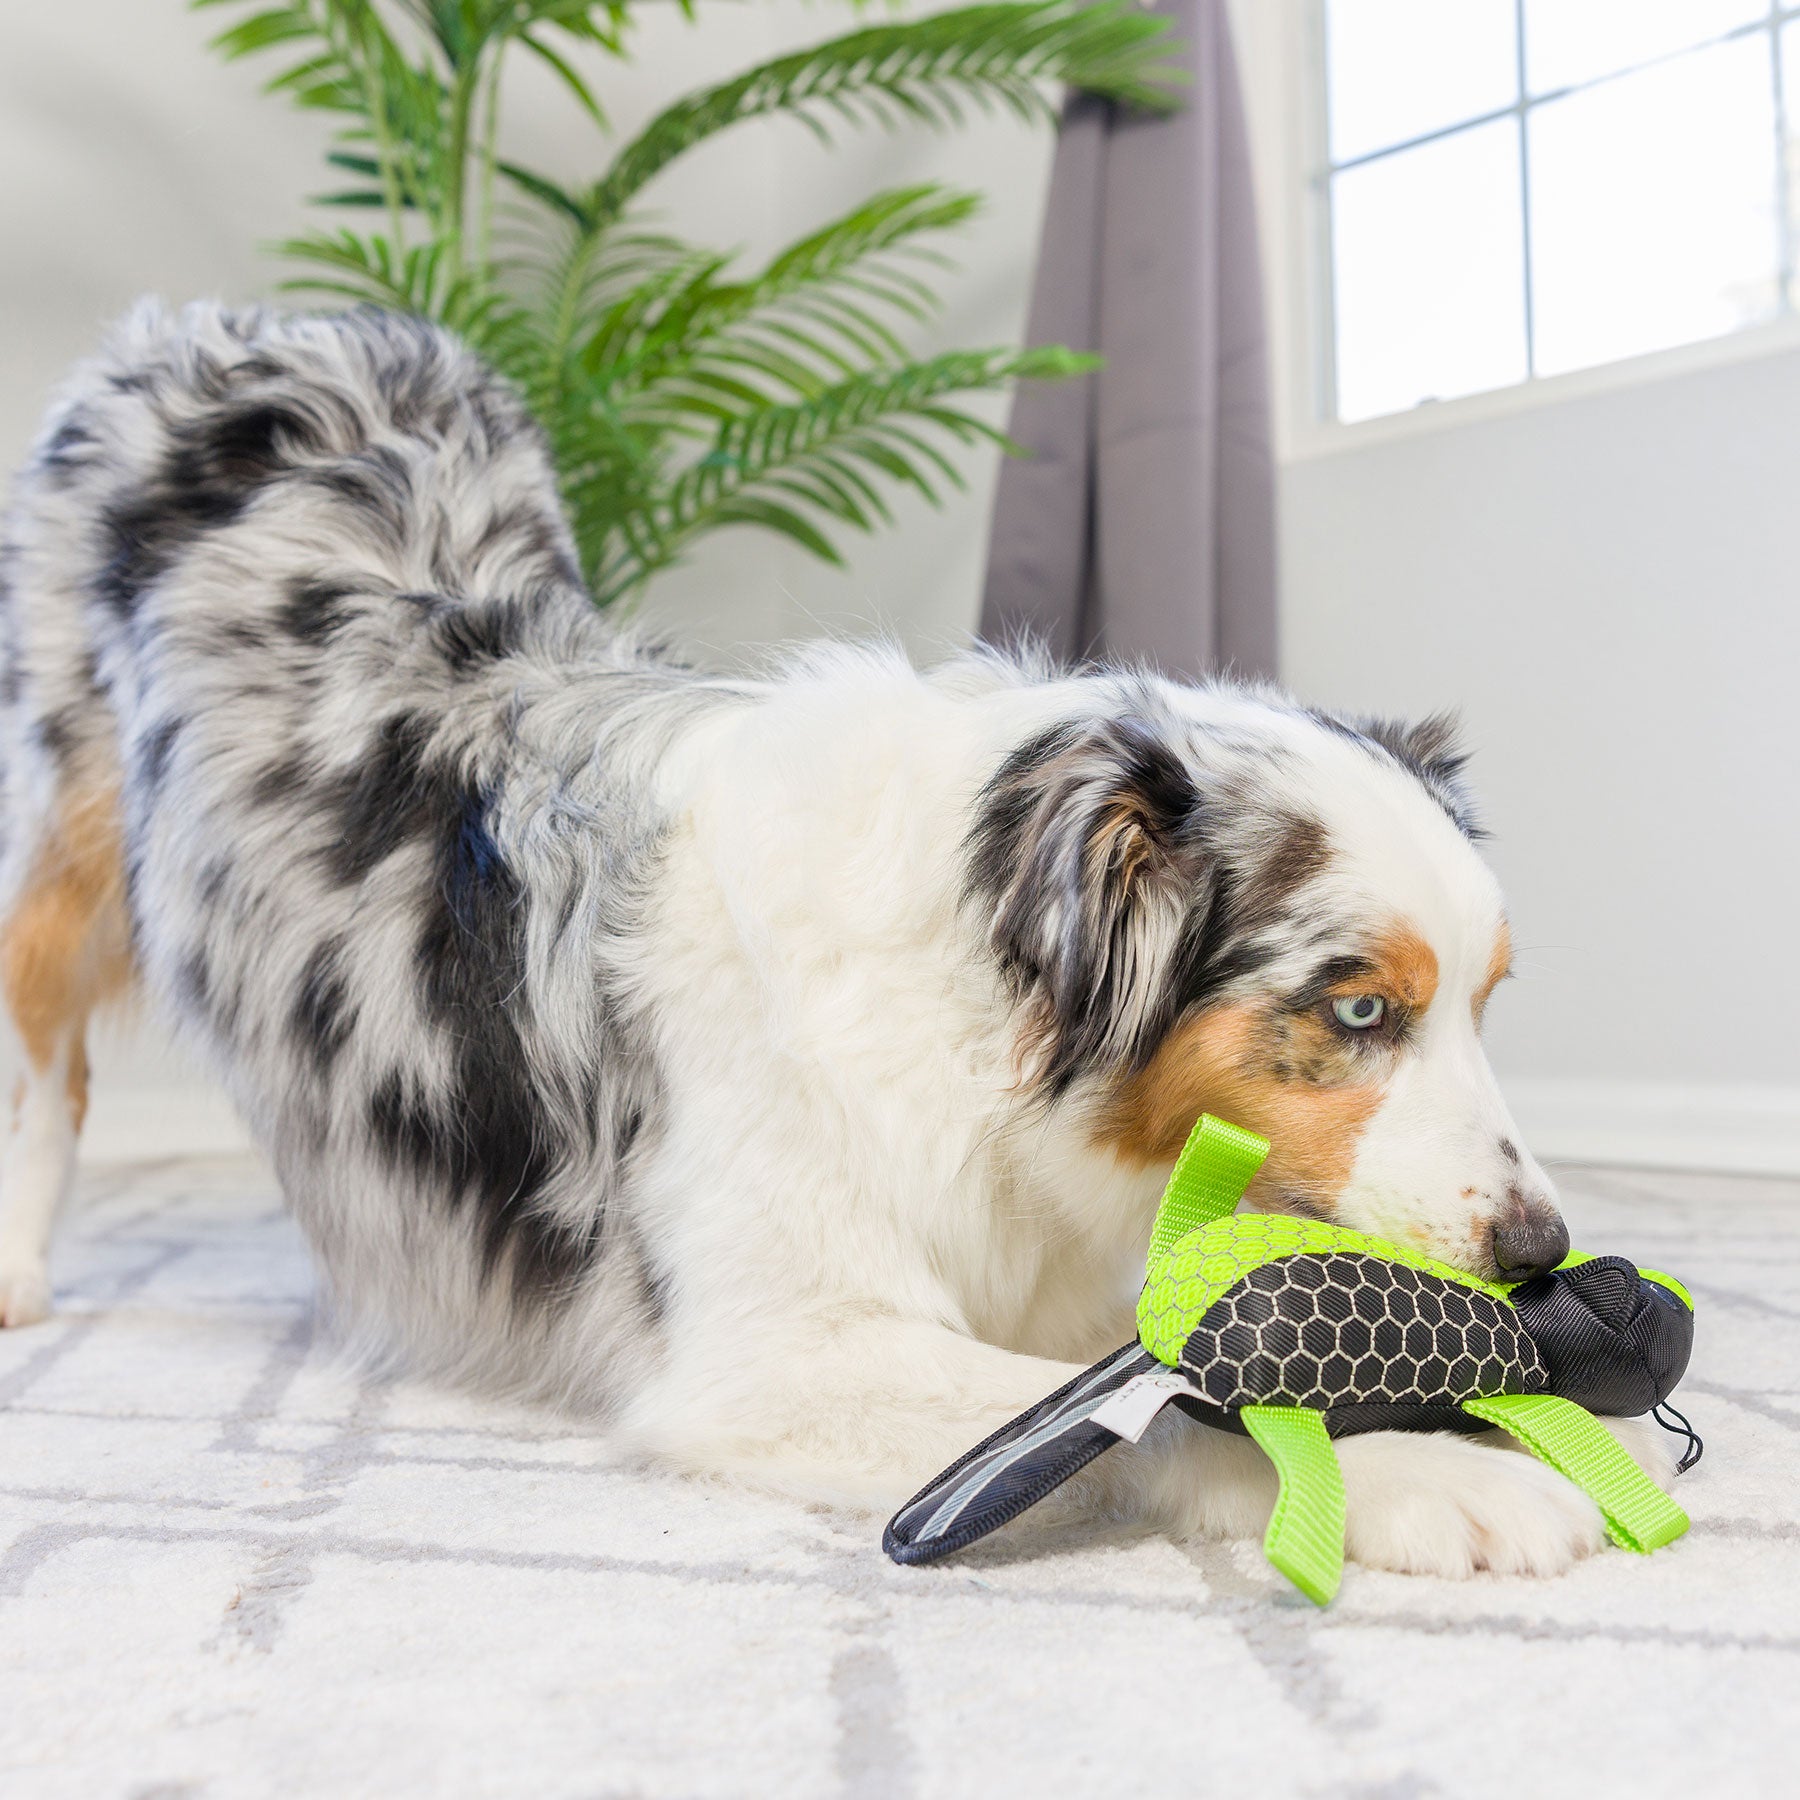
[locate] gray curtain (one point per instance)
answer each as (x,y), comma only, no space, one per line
(1142,526)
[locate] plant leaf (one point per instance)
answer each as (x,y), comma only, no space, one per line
(680,394)
(570,78)
(1001,51)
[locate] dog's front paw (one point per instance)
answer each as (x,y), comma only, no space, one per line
(24,1293)
(1432,1504)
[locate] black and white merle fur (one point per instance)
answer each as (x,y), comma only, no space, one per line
(782,1068)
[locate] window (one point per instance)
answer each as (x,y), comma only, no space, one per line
(1515,188)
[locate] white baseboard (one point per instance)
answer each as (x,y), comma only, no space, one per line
(1745,1129)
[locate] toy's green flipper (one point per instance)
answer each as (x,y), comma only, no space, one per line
(1639,1515)
(1215,1166)
(1305,1539)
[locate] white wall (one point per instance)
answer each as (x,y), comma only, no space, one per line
(1608,587)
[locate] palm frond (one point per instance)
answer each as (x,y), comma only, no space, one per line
(823,310)
(922,69)
(372,270)
(680,395)
(368,268)
(793,469)
(865,253)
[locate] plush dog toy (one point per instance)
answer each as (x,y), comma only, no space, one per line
(1298,1332)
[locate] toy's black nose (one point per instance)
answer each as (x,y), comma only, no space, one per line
(1532,1241)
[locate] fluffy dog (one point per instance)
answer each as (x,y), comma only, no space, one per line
(786,1069)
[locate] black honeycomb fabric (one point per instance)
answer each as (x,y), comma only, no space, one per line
(1350,1420)
(1351,1330)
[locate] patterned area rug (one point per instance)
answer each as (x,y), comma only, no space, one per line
(229,1569)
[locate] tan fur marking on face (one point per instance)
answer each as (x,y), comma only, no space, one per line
(1499,967)
(64,948)
(1222,1062)
(1404,971)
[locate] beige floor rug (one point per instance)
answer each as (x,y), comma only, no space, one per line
(228,1569)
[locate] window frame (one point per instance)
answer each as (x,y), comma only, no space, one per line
(1318,428)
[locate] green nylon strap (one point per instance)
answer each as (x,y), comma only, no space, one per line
(1305,1539)
(1215,1166)
(1639,1515)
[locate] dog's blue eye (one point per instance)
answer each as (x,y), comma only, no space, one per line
(1361,1012)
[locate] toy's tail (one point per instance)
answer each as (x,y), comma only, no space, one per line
(1016,1467)
(1042,1448)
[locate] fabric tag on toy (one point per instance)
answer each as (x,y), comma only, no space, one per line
(1127,1414)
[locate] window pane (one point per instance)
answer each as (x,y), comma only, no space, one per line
(1653,208)
(1428,253)
(1567,41)
(1401,68)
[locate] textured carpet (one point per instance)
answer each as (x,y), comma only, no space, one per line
(226,1568)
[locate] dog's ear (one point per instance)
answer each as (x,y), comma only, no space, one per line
(1087,857)
(1432,751)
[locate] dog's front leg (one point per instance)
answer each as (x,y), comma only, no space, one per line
(867,1410)
(834,1407)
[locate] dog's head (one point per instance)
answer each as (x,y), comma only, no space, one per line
(1205,901)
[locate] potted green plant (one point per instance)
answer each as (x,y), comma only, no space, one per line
(680,394)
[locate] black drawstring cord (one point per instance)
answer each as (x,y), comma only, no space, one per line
(1695,1448)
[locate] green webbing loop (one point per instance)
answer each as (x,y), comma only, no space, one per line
(1639,1515)
(1215,1166)
(1305,1539)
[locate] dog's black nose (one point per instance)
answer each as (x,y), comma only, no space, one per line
(1531,1242)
